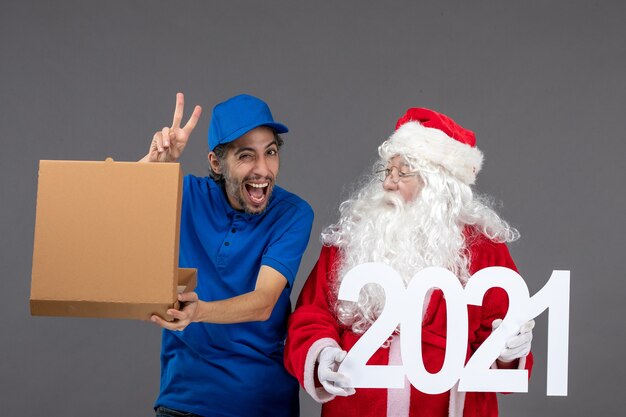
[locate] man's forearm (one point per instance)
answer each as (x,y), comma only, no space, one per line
(253,306)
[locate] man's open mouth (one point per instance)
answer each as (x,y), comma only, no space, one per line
(257,192)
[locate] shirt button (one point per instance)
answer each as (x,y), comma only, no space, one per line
(226,243)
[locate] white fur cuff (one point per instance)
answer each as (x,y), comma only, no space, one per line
(319,394)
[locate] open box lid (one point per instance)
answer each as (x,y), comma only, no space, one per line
(107,232)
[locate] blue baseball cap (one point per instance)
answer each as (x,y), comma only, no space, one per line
(238,115)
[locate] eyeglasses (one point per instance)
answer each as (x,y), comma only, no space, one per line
(382,173)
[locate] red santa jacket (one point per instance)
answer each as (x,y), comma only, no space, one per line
(314,325)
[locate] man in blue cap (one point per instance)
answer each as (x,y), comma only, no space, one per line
(223,353)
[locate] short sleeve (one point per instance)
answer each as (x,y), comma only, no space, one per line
(284,252)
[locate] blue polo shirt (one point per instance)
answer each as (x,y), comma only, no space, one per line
(234,369)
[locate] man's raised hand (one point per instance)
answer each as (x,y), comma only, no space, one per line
(168,143)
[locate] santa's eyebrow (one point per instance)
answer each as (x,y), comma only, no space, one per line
(400,165)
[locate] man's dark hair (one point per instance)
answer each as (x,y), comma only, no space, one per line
(222,149)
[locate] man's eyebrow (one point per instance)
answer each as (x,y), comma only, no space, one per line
(251,149)
(245,148)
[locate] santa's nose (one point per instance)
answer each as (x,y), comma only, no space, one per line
(389,185)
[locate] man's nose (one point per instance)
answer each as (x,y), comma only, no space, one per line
(261,168)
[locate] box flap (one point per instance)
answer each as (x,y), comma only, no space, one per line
(187,281)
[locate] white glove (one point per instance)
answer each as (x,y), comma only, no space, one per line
(517,346)
(329,360)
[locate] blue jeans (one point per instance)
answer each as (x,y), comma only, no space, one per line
(168,412)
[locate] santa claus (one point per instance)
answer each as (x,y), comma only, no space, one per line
(416,210)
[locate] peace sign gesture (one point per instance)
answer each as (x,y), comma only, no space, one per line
(168,143)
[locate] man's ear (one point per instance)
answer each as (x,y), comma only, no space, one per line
(214,163)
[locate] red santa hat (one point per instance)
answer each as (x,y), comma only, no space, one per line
(427,135)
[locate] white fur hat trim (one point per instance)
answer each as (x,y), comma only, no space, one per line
(414,140)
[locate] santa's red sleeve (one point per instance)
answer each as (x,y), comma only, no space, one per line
(485,253)
(313,326)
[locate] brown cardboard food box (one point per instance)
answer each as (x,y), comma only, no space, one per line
(106,240)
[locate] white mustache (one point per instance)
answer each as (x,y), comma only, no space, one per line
(393,199)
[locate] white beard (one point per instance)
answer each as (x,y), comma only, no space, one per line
(378,226)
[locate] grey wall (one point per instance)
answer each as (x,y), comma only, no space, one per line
(542,84)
